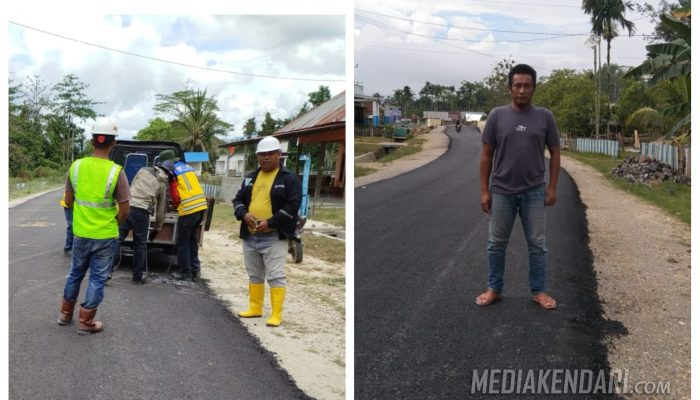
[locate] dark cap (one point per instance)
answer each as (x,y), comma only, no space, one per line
(168,155)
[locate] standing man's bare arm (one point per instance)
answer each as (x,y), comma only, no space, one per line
(485,173)
(554,165)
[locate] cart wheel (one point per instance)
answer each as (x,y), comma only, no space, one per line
(296,249)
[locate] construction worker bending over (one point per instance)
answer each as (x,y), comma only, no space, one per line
(148,197)
(193,205)
(268,204)
(94,186)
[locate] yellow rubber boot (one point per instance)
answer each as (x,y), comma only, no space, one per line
(277,300)
(256,293)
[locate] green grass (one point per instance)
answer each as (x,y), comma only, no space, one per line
(413,145)
(362,171)
(368,144)
(326,249)
(672,197)
(330,215)
(24,187)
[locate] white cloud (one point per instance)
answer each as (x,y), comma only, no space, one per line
(311,47)
(389,60)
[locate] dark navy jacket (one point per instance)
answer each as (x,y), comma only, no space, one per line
(285,196)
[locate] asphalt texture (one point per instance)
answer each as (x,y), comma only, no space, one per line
(162,340)
(420,262)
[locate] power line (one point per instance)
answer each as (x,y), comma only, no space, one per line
(174,62)
(391,28)
(470,28)
(466,51)
(526,4)
(552,34)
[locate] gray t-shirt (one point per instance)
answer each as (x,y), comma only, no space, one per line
(519,138)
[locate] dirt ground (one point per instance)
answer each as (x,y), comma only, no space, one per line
(310,343)
(642,261)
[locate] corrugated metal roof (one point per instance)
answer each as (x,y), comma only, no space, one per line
(327,113)
(327,116)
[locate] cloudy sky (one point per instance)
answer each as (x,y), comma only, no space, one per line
(246,55)
(410,42)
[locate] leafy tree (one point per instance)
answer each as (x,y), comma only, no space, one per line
(73,105)
(662,33)
(303,110)
(322,95)
(569,95)
(249,128)
(671,62)
(196,113)
(606,15)
(159,129)
(269,125)
(497,84)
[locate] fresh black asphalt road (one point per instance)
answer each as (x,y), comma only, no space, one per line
(161,341)
(420,262)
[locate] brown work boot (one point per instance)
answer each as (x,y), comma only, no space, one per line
(88,323)
(66,312)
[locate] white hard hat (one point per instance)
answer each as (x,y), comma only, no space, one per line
(105,129)
(268,143)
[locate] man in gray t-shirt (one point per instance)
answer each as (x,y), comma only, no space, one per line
(514,140)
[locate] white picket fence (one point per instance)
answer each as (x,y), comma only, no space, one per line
(666,153)
(602,146)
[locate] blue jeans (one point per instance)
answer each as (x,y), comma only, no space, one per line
(187,246)
(138,223)
(95,255)
(69,229)
(504,207)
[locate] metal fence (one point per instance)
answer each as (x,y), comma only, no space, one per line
(666,153)
(211,190)
(602,146)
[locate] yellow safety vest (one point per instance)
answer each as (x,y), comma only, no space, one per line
(192,197)
(94,209)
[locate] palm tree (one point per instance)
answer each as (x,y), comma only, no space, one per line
(193,111)
(606,15)
(670,62)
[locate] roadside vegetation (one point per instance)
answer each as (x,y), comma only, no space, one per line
(27,186)
(362,171)
(672,197)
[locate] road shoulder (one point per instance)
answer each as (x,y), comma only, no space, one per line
(436,145)
(642,262)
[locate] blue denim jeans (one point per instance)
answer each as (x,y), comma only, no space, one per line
(95,255)
(504,207)
(69,228)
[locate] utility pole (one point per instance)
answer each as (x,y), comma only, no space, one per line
(594,42)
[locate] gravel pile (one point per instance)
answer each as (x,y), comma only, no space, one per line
(644,169)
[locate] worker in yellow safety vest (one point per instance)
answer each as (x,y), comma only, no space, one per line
(94,187)
(68,213)
(193,205)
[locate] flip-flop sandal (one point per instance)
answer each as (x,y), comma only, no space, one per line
(490,297)
(544,303)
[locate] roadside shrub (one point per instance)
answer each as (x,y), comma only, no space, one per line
(43,172)
(24,174)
